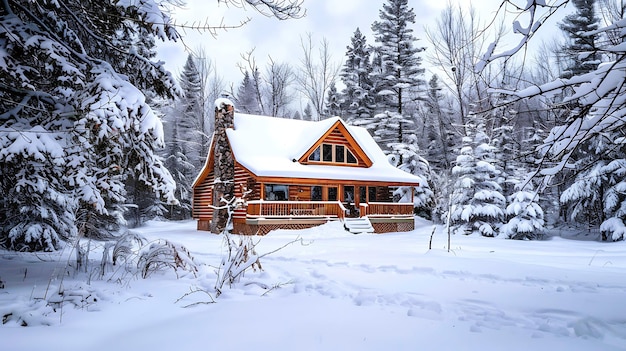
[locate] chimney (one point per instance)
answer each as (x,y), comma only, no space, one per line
(224,165)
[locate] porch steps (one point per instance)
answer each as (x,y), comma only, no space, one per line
(358,225)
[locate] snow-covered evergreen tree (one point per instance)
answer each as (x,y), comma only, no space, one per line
(190,115)
(307,114)
(333,102)
(412,162)
(400,69)
(580,53)
(596,195)
(477,204)
(247,95)
(390,128)
(355,75)
(183,136)
(439,133)
(614,226)
(525,217)
(74,124)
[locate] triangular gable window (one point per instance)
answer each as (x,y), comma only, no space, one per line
(337,147)
(333,153)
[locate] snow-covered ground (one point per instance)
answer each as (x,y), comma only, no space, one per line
(332,291)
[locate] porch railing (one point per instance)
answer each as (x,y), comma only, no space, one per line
(290,209)
(386,209)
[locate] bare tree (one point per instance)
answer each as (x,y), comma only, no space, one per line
(316,73)
(278,91)
(213,86)
(273,87)
(249,64)
(457,40)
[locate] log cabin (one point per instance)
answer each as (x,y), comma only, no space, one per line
(295,174)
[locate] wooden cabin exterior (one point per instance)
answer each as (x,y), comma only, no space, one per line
(298,174)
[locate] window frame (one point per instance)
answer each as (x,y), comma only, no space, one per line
(328,153)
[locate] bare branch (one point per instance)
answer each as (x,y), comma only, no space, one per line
(281,9)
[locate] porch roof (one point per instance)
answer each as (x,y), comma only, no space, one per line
(271,146)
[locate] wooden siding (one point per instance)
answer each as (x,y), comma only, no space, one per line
(299,192)
(203,198)
(244,181)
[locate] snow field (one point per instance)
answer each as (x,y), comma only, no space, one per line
(339,291)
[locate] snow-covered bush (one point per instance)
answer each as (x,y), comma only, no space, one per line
(164,254)
(525,217)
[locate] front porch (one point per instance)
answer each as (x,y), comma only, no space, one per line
(261,216)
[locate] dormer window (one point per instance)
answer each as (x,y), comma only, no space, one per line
(333,153)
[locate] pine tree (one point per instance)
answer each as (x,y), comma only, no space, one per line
(191,114)
(307,115)
(400,68)
(333,102)
(581,52)
(355,75)
(74,124)
(183,154)
(246,95)
(439,132)
(477,204)
(525,215)
(389,128)
(413,163)
(596,195)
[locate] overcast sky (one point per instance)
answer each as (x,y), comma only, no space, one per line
(335,20)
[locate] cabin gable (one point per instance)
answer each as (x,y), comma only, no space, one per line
(336,147)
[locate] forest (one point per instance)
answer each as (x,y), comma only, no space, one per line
(96,135)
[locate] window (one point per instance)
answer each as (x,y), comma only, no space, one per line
(348,194)
(351,158)
(327,152)
(340,153)
(371,194)
(316,193)
(333,153)
(315,155)
(332,194)
(276,192)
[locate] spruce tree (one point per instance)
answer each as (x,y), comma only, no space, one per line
(525,216)
(477,204)
(307,114)
(596,195)
(439,131)
(581,52)
(74,122)
(246,95)
(413,163)
(333,102)
(191,114)
(357,96)
(400,65)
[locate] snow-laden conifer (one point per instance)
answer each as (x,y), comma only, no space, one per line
(477,204)
(73,123)
(357,96)
(400,66)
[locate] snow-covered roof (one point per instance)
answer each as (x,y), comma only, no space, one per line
(271,146)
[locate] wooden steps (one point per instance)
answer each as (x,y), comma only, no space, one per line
(358,225)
